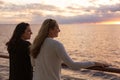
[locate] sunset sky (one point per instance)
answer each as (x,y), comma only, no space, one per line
(64,11)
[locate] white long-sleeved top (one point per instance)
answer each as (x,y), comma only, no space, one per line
(48,62)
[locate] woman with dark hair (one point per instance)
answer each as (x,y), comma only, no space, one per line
(18,48)
(49,54)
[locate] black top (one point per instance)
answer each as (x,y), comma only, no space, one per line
(20,64)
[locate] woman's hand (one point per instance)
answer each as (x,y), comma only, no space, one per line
(101,64)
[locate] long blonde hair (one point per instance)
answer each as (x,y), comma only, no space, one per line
(41,36)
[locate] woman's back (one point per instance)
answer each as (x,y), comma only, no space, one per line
(20,65)
(47,63)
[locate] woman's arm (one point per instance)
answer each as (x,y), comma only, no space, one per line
(62,54)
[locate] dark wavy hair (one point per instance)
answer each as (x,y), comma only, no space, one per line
(18,32)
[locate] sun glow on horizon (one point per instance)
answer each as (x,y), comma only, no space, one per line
(111,22)
(117,22)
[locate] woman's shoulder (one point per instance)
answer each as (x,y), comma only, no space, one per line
(56,44)
(23,42)
(53,41)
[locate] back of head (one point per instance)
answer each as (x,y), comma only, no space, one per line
(19,30)
(41,36)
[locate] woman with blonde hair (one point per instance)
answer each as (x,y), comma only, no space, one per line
(49,53)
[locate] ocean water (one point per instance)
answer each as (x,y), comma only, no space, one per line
(82,42)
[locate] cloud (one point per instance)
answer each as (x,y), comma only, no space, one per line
(112,8)
(75,19)
(1,2)
(36,13)
(35,6)
(102,13)
(102,8)
(85,19)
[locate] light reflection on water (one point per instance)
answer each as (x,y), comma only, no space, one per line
(92,43)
